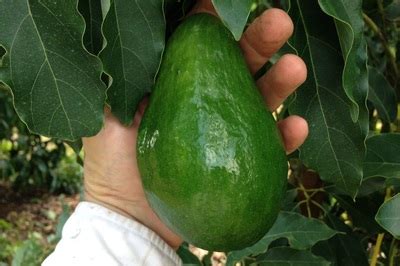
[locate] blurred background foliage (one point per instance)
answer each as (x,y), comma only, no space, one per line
(35,174)
(32,163)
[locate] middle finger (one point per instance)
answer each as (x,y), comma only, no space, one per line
(282,79)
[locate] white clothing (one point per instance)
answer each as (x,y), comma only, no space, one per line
(95,235)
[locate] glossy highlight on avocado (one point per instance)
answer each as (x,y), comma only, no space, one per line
(209,153)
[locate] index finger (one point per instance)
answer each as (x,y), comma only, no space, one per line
(265,36)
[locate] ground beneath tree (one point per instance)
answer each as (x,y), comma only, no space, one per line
(23,215)
(38,213)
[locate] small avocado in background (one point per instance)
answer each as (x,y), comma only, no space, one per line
(209,152)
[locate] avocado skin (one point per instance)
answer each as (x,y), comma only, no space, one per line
(209,152)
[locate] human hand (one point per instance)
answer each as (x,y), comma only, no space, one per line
(112,178)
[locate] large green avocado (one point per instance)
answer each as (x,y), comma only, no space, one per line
(210,155)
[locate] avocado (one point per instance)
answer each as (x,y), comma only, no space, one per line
(209,152)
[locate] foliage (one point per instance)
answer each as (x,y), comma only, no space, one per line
(27,161)
(32,250)
(289,256)
(388,217)
(187,257)
(345,175)
(30,253)
(6,249)
(132,47)
(233,14)
(67,177)
(31,162)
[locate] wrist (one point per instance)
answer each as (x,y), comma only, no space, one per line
(109,204)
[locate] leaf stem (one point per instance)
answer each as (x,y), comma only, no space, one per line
(381,9)
(378,244)
(312,189)
(377,249)
(308,198)
(392,251)
(298,205)
(319,206)
(372,25)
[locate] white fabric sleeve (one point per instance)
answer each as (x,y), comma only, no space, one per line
(95,235)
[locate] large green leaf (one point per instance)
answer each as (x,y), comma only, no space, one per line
(383,156)
(335,146)
(9,25)
(301,232)
(350,27)
(135,34)
(55,82)
(283,256)
(234,14)
(388,216)
(382,95)
(92,13)
(342,249)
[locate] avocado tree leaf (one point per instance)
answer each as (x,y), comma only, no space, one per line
(92,13)
(393,10)
(234,14)
(372,185)
(361,211)
(388,216)
(2,54)
(382,95)
(301,232)
(290,257)
(76,146)
(289,203)
(335,145)
(187,257)
(9,23)
(341,249)
(135,33)
(55,82)
(382,162)
(350,27)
